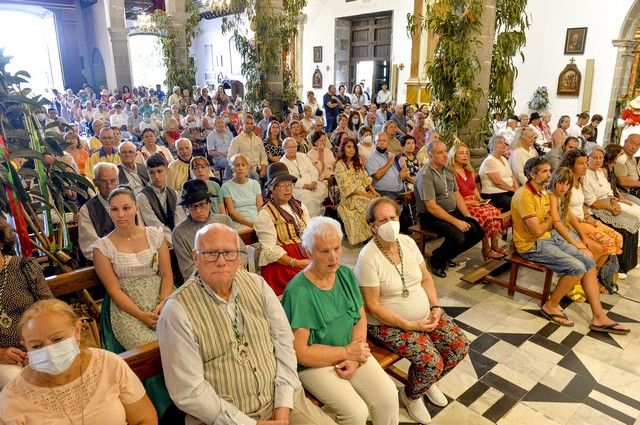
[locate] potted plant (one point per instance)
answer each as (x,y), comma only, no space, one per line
(36,193)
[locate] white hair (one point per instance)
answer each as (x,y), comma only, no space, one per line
(101,166)
(319,227)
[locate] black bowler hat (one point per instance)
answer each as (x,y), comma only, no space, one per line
(278,172)
(534,116)
(193,191)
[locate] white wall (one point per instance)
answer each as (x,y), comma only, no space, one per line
(545,59)
(211,34)
(97,35)
(319,30)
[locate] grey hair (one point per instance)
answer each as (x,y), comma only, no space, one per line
(319,227)
(215,227)
(519,135)
(288,139)
(592,148)
(101,166)
(493,141)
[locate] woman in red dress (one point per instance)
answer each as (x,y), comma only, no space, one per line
(478,207)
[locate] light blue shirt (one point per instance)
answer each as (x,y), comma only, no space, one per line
(243,197)
(215,142)
(391,181)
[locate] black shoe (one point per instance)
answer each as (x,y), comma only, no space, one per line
(436,271)
(451,263)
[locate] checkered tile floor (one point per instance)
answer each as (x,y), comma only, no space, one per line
(523,369)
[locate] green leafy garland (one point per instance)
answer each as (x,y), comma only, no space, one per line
(179,72)
(511,23)
(453,72)
(264,53)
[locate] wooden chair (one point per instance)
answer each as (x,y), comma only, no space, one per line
(482,274)
(422,235)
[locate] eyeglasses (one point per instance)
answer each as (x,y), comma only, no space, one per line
(197,206)
(285,185)
(211,256)
(200,167)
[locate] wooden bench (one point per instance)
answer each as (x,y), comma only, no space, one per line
(145,361)
(74,281)
(422,235)
(482,274)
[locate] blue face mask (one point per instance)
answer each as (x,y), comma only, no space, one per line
(56,358)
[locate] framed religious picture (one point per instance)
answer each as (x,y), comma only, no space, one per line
(569,80)
(316,82)
(575,41)
(317,54)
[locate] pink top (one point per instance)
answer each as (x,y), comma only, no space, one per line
(467,186)
(97,397)
(326,171)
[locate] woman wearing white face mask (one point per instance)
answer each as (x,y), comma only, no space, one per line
(68,384)
(403,311)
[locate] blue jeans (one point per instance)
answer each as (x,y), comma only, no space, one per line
(559,255)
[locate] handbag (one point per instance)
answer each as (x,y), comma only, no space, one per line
(87,312)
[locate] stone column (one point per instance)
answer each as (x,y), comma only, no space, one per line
(297,58)
(620,85)
(119,35)
(176,10)
(274,78)
(422,50)
(484,52)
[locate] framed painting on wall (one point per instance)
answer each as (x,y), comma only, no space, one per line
(317,54)
(569,81)
(575,41)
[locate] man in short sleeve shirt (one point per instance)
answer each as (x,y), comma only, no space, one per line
(536,240)
(442,210)
(627,170)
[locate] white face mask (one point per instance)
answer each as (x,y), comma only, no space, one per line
(355,122)
(367,140)
(389,231)
(56,358)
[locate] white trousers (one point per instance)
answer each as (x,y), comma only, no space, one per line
(370,390)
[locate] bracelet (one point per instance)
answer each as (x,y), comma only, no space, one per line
(434,306)
(292,262)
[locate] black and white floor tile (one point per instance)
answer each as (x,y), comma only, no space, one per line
(523,369)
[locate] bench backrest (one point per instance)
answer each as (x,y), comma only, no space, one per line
(145,361)
(76,280)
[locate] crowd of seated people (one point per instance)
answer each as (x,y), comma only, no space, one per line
(205,169)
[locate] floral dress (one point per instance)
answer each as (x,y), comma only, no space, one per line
(273,150)
(352,207)
(140,280)
(483,213)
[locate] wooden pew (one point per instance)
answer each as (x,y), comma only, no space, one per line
(145,361)
(422,236)
(76,280)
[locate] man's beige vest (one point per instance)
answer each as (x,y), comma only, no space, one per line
(248,386)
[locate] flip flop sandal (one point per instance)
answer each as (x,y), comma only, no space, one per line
(610,329)
(553,317)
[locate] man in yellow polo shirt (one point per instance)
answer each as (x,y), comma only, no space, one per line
(107,153)
(536,240)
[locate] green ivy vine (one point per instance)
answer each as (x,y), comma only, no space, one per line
(511,23)
(453,71)
(179,72)
(263,53)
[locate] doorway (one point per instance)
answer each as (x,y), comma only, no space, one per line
(370,57)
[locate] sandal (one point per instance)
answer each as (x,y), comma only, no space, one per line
(553,317)
(493,255)
(613,328)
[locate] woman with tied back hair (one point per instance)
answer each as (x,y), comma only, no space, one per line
(21,284)
(67,383)
(133,264)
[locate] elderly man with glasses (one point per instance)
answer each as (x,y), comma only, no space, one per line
(226,345)
(195,198)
